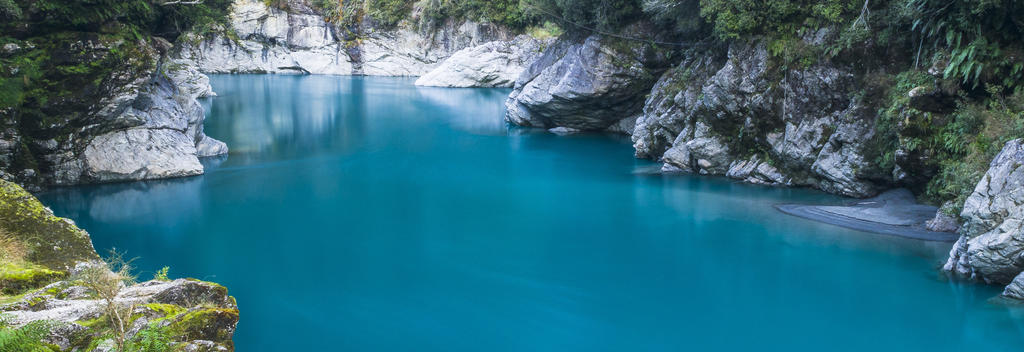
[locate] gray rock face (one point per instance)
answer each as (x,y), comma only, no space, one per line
(991,245)
(587,84)
(729,114)
(143,123)
(299,40)
(493,64)
(943,222)
(169,138)
(1015,289)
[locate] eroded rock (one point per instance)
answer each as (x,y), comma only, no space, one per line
(493,64)
(729,113)
(587,83)
(991,245)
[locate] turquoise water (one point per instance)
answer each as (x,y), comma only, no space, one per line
(365,214)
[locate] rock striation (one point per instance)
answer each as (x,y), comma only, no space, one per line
(142,122)
(719,111)
(728,113)
(295,38)
(590,83)
(493,64)
(991,245)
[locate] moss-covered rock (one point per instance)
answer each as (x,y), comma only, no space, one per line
(18,277)
(51,242)
(210,324)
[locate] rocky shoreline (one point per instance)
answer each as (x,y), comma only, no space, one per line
(49,275)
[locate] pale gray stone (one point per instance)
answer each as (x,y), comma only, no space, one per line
(493,64)
(991,246)
(588,84)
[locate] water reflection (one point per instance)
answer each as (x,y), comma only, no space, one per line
(388,217)
(293,114)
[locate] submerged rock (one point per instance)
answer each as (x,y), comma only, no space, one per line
(589,83)
(991,245)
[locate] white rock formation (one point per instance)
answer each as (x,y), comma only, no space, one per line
(493,64)
(299,40)
(991,245)
(168,138)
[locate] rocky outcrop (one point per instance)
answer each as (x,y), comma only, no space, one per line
(296,39)
(184,312)
(991,245)
(728,112)
(590,83)
(142,122)
(169,138)
(42,261)
(494,64)
(944,220)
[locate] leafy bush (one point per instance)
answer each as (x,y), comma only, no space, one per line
(982,37)
(585,15)
(27,338)
(970,142)
(736,18)
(151,339)
(388,12)
(161,275)
(508,13)
(9,10)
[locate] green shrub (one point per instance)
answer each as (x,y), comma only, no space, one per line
(981,37)
(389,12)
(27,338)
(152,339)
(585,15)
(736,18)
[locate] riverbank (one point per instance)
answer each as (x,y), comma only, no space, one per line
(56,292)
(894,213)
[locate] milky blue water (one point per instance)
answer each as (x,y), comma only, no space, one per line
(366,214)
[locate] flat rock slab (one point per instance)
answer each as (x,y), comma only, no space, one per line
(894,213)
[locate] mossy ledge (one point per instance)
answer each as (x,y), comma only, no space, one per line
(47,304)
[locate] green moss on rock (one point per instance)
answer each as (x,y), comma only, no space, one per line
(212,324)
(52,242)
(18,277)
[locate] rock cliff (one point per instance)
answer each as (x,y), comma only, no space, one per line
(142,121)
(719,111)
(297,39)
(493,64)
(590,83)
(991,245)
(729,113)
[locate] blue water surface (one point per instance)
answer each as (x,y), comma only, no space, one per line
(366,214)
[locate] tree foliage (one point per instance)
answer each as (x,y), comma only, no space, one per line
(139,16)
(982,37)
(584,15)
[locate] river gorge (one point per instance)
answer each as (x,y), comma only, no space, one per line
(342,220)
(511,175)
